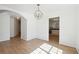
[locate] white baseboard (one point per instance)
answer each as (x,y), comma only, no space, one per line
(4,40)
(67,44)
(77,50)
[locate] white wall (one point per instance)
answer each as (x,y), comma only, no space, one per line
(31,27)
(4,27)
(67,27)
(23,29)
(42,28)
(12,26)
(77,29)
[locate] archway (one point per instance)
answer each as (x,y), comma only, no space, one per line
(13,14)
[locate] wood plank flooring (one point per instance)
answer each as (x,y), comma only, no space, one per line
(54,39)
(19,46)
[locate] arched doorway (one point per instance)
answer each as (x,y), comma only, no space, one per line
(18,21)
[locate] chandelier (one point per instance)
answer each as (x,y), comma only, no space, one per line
(38,13)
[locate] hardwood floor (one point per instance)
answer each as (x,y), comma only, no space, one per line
(54,39)
(19,46)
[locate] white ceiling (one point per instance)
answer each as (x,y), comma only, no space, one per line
(44,7)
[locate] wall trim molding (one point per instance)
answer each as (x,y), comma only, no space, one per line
(77,50)
(67,44)
(4,40)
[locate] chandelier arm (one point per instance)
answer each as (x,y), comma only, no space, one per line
(38,13)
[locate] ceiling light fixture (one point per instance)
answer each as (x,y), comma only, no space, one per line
(38,13)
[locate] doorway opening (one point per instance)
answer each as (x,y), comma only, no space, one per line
(15,27)
(54,30)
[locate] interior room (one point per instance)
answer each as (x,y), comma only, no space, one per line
(39,29)
(54,29)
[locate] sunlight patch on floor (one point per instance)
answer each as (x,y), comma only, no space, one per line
(47,49)
(55,50)
(38,51)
